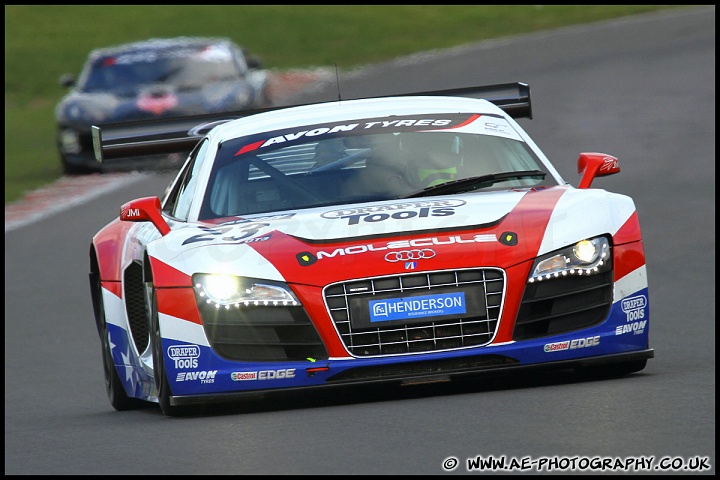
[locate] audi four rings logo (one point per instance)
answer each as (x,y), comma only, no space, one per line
(407,255)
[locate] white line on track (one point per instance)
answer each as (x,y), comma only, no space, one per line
(63,194)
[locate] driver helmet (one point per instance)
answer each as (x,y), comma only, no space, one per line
(432,157)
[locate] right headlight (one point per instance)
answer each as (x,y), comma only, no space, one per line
(69,141)
(230,290)
(585,257)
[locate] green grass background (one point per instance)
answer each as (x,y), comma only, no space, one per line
(44,41)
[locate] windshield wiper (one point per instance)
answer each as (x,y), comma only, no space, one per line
(473,183)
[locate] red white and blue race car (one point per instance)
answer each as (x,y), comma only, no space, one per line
(402,239)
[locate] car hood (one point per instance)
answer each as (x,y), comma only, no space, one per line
(152,102)
(322,245)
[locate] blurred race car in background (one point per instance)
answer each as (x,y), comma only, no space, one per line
(405,239)
(157,78)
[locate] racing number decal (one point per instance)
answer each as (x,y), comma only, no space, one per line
(240,234)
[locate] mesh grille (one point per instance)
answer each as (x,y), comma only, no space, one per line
(261,333)
(563,305)
(348,306)
(135,306)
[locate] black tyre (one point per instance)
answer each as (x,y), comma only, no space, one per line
(73,169)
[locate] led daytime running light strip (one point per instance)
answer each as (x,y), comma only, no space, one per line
(245,303)
(578,271)
(572,271)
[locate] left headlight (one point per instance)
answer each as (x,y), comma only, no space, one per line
(586,257)
(230,290)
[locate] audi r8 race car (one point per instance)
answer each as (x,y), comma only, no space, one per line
(403,239)
(157,78)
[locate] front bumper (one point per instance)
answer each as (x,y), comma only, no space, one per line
(495,367)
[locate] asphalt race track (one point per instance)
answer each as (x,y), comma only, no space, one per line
(642,89)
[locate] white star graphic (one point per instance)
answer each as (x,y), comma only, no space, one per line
(129,370)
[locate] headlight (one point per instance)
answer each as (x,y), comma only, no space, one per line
(69,141)
(586,257)
(242,97)
(230,290)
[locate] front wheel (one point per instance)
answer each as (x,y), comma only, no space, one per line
(70,168)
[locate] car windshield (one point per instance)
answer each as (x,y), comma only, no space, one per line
(183,68)
(316,166)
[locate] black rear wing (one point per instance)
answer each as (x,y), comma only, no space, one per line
(181,134)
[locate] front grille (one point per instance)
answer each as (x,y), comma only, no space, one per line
(261,333)
(563,305)
(348,306)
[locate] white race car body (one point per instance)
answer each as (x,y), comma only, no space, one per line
(481,271)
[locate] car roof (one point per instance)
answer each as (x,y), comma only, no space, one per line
(345,110)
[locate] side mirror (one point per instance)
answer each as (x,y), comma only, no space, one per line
(591,165)
(67,80)
(146,209)
(254,62)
